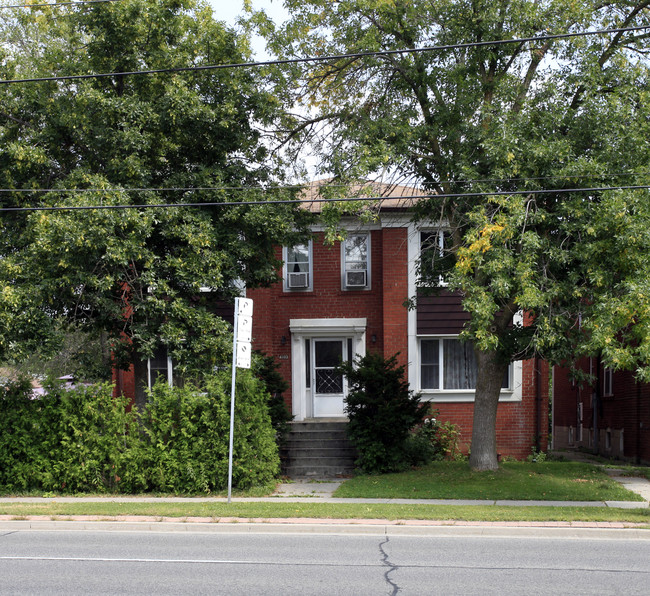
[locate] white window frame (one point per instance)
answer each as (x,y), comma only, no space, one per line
(608,381)
(286,266)
(440,233)
(513,393)
(344,263)
(170,371)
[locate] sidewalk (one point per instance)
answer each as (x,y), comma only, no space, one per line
(311,491)
(321,491)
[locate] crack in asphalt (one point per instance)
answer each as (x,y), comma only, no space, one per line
(392,567)
(7,534)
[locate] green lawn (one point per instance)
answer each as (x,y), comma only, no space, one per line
(550,481)
(215,512)
(521,481)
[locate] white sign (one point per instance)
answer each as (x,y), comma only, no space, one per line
(243,358)
(244,332)
(244,307)
(245,329)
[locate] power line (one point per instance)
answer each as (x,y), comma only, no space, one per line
(178,69)
(539,178)
(305,185)
(56,4)
(160,189)
(471,195)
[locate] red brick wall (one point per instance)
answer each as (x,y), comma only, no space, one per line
(124,384)
(395,292)
(516,421)
(624,415)
(382,305)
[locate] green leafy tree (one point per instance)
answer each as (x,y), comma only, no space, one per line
(137,273)
(82,354)
(476,118)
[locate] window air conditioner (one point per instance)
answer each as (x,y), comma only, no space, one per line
(298,280)
(355,279)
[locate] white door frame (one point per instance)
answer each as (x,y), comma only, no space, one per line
(327,404)
(305,330)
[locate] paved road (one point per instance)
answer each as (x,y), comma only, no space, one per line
(73,562)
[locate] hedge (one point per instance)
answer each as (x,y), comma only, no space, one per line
(85,440)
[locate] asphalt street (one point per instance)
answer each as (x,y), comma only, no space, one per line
(468,563)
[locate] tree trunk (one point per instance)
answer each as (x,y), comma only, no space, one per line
(491,372)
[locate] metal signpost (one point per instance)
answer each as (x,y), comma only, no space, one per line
(241,358)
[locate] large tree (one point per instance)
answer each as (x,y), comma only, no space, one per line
(475,117)
(139,274)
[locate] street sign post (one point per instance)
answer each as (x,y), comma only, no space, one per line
(241,358)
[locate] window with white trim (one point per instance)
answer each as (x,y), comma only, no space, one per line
(608,381)
(356,262)
(447,364)
(161,365)
(298,267)
(435,252)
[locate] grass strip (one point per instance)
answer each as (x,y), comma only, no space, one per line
(519,481)
(244,511)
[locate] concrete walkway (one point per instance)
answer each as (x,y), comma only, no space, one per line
(321,491)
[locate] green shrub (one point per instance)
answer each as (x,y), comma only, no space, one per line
(267,370)
(73,440)
(186,432)
(256,461)
(434,440)
(382,411)
(20,450)
(89,434)
(85,440)
(536,457)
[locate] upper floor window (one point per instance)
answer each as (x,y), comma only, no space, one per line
(298,267)
(435,256)
(608,381)
(356,262)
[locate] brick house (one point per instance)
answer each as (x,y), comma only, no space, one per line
(609,416)
(344,299)
(337,301)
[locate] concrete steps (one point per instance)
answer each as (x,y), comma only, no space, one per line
(317,449)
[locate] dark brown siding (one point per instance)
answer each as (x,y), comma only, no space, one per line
(442,314)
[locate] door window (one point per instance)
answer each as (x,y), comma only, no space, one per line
(328,355)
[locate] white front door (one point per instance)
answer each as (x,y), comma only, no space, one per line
(329,386)
(317,347)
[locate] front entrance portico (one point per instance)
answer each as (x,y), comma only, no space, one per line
(317,347)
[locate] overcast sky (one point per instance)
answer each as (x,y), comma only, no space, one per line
(229,10)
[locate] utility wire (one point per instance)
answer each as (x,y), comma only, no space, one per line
(497,42)
(368,184)
(324,200)
(55,4)
(160,189)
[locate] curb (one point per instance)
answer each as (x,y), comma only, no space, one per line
(331,500)
(606,530)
